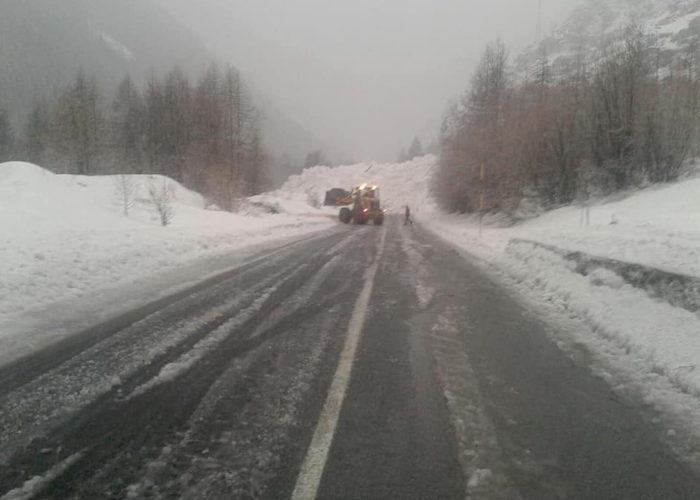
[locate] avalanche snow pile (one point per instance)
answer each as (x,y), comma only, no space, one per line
(400,184)
(65,237)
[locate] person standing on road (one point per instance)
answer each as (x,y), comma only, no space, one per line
(407,217)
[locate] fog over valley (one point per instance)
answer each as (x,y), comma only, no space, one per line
(364,76)
(354,80)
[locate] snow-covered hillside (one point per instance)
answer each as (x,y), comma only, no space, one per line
(44,44)
(674,24)
(65,238)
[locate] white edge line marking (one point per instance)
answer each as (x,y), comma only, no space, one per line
(311,471)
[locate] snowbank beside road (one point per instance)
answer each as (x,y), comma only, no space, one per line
(658,228)
(65,237)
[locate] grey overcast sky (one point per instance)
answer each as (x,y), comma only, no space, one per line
(364,76)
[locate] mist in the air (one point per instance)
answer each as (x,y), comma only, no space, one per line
(364,76)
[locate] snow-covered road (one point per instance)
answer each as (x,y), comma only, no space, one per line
(453,389)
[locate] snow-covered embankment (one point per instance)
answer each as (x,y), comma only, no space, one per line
(65,241)
(619,275)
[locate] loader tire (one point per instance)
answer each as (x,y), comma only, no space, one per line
(345,215)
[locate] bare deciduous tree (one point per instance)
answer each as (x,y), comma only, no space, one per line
(126,191)
(607,124)
(162,194)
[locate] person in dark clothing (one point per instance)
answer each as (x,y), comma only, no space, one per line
(407,217)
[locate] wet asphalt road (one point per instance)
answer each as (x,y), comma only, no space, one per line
(454,390)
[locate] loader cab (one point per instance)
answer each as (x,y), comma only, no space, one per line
(366,206)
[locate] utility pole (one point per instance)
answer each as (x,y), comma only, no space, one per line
(481,202)
(538,28)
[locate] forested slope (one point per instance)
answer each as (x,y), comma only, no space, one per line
(43,43)
(610,102)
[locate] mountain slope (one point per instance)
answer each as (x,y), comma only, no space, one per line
(43,43)
(673,24)
(287,140)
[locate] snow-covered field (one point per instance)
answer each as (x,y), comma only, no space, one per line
(64,240)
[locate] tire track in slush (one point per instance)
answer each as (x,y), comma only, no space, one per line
(296,317)
(478,447)
(27,368)
(309,478)
(125,360)
(101,422)
(479,450)
(248,437)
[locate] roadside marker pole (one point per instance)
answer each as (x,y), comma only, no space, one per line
(481,202)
